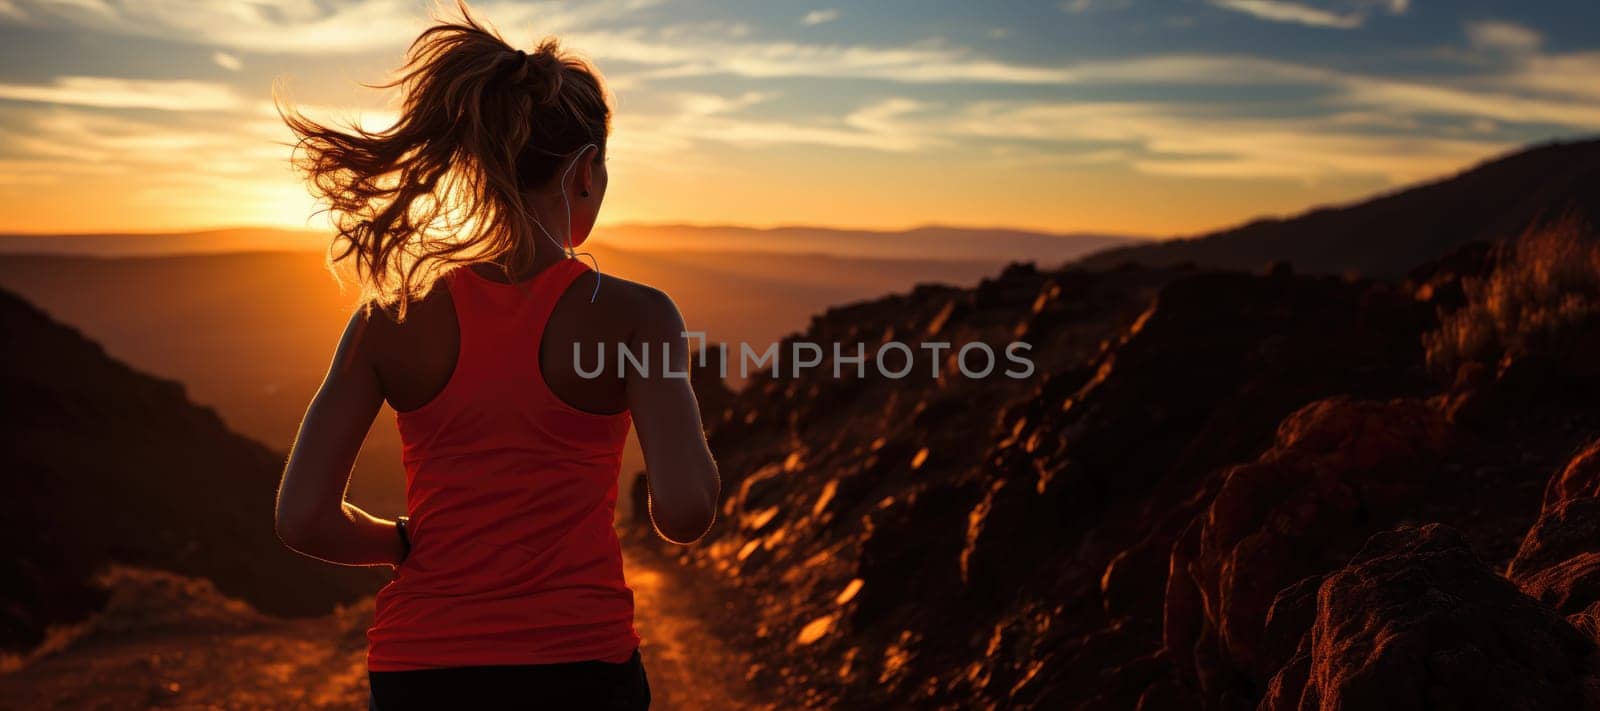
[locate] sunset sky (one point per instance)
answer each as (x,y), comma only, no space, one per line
(1121,116)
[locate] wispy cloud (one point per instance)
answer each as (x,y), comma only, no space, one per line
(304,27)
(1568,77)
(1339,14)
(926,62)
(697,118)
(10,11)
(1499,35)
(1078,7)
(227,61)
(1281,11)
(818,17)
(107,92)
(1402,97)
(1516,96)
(715,96)
(1196,145)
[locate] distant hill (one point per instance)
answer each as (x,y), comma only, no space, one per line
(996,246)
(132,244)
(1390,234)
(931,242)
(103,464)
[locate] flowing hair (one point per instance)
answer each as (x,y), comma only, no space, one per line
(481,123)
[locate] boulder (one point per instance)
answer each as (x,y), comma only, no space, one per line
(1341,469)
(1417,621)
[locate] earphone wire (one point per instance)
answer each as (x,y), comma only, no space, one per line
(566,205)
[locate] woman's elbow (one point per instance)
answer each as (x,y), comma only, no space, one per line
(297,528)
(684,524)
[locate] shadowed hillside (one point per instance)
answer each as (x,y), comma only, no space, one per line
(104,465)
(1389,235)
(1222,490)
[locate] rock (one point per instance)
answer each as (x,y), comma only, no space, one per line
(1134,581)
(1340,469)
(1167,695)
(1293,611)
(1559,560)
(1580,478)
(1570,586)
(1183,612)
(1568,530)
(1416,621)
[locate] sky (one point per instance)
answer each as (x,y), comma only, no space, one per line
(1141,117)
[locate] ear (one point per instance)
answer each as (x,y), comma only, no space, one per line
(583,180)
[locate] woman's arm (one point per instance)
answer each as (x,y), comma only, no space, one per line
(679,470)
(312,516)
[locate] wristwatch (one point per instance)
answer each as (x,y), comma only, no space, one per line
(400,523)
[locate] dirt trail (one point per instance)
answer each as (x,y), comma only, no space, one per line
(689,668)
(175,643)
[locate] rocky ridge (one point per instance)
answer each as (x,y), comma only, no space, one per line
(1221,490)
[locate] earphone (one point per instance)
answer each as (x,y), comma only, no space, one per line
(567,208)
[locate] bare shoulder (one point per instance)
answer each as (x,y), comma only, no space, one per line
(635,303)
(424,318)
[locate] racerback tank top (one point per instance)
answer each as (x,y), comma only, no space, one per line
(512,494)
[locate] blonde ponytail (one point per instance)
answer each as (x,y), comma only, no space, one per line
(481,123)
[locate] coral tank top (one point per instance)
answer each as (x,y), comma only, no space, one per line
(512,494)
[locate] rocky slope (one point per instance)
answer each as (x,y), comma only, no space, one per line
(1221,490)
(105,465)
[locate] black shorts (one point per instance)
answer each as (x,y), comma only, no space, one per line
(603,686)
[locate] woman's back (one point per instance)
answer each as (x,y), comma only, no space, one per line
(511,487)
(508,569)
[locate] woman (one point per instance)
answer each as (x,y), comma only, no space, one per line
(459,224)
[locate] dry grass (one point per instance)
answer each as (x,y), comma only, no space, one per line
(1544,295)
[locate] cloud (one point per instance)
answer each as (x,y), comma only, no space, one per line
(1439,99)
(1078,7)
(923,63)
(696,118)
(1152,138)
(1280,11)
(818,17)
(106,92)
(1498,35)
(1186,144)
(306,27)
(10,11)
(1542,90)
(236,148)
(1562,76)
(1332,124)
(227,61)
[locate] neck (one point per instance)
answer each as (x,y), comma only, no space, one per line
(551,218)
(507,268)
